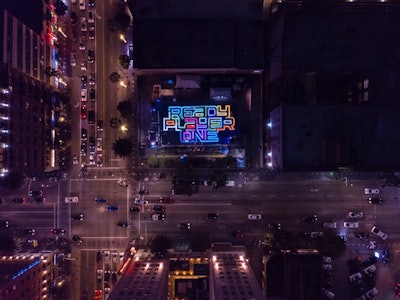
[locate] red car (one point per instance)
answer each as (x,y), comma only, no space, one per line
(83,111)
(168,200)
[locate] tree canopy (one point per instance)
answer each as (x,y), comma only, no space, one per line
(123,147)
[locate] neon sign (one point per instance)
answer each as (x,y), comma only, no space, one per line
(199,123)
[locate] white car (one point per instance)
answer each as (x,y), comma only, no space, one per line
(123,182)
(355,214)
(355,277)
(140,202)
(91,159)
(330,225)
(369,191)
(375,230)
(254,217)
(83,95)
(73,59)
(350,224)
(99,274)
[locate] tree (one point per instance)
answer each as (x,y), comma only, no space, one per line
(115,77)
(115,123)
(13,181)
(159,245)
(123,147)
(60,8)
(120,23)
(125,108)
(124,61)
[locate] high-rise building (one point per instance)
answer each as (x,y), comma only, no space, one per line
(332,84)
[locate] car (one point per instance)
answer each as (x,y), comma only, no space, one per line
(82,5)
(140,201)
(91,117)
(92,78)
(123,224)
(240,234)
(112,207)
(99,125)
(92,94)
(143,192)
(83,95)
(91,16)
(350,224)
(275,226)
(83,148)
(330,225)
(73,59)
(316,234)
(134,209)
(82,43)
(29,231)
(99,160)
(77,239)
(18,200)
(355,277)
(158,217)
(370,270)
(310,219)
(326,259)
(99,274)
(78,217)
(375,200)
(74,18)
(90,56)
(167,200)
(213,216)
(83,24)
(71,199)
(75,159)
(123,182)
(362,235)
(92,34)
(38,199)
(36,193)
(4,224)
(100,200)
(369,191)
(83,65)
(91,159)
(92,142)
(185,226)
(327,267)
(99,145)
(328,294)
(375,230)
(99,256)
(57,231)
(83,133)
(91,3)
(159,208)
(83,112)
(114,277)
(385,256)
(371,293)
(107,275)
(355,214)
(254,217)
(83,80)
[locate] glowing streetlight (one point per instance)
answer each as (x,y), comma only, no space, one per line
(122,38)
(121,83)
(124,128)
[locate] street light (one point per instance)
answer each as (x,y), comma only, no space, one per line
(121,83)
(122,38)
(124,128)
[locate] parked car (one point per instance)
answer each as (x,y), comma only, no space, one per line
(355,214)
(331,225)
(375,230)
(90,56)
(355,277)
(254,217)
(91,16)
(92,34)
(83,24)
(350,224)
(140,201)
(78,217)
(310,219)
(158,217)
(213,216)
(369,191)
(112,208)
(83,95)
(100,200)
(82,43)
(99,125)
(375,200)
